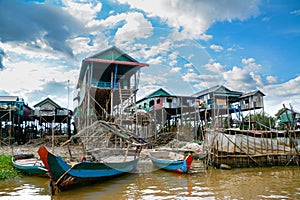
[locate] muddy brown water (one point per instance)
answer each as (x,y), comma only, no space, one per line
(149,183)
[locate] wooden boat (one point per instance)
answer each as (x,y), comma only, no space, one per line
(171,161)
(64,176)
(101,158)
(29,164)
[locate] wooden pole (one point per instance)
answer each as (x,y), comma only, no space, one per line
(0,131)
(53,123)
(241,149)
(127,149)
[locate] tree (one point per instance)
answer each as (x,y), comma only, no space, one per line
(263,121)
(277,115)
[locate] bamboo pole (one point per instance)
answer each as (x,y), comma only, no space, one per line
(127,149)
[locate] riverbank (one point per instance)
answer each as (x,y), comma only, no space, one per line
(33,146)
(63,151)
(7,170)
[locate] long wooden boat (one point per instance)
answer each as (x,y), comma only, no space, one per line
(29,164)
(171,161)
(65,176)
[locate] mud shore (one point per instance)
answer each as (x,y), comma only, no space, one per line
(32,147)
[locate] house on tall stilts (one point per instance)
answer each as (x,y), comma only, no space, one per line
(169,114)
(106,88)
(235,135)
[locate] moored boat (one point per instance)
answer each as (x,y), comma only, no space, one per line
(107,89)
(65,176)
(172,161)
(100,160)
(29,164)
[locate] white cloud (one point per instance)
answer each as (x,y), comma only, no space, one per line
(205,37)
(238,78)
(136,27)
(245,78)
(215,67)
(24,77)
(286,89)
(203,13)
(191,77)
(257,78)
(149,79)
(18,50)
(156,60)
(250,64)
(271,79)
(200,78)
(295,12)
(188,65)
(84,12)
(284,93)
(208,81)
(79,44)
(175,70)
(216,48)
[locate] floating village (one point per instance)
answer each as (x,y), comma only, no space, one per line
(217,127)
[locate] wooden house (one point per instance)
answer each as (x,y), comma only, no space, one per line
(252,100)
(166,110)
(49,113)
(14,115)
(162,99)
(290,118)
(107,85)
(16,104)
(216,101)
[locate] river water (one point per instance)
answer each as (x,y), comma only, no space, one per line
(246,183)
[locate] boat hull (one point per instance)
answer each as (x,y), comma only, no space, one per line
(180,166)
(65,176)
(29,165)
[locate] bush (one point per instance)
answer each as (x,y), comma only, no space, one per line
(7,169)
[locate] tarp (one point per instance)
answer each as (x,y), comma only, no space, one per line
(244,144)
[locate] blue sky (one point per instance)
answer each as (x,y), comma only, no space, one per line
(190,45)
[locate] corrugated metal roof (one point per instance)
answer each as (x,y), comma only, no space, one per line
(252,94)
(111,56)
(9,98)
(216,88)
(47,100)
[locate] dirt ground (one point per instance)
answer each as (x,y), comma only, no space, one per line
(32,147)
(60,147)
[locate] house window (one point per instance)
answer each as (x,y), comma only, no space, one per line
(169,100)
(151,103)
(158,101)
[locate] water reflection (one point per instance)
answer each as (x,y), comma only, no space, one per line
(25,188)
(256,183)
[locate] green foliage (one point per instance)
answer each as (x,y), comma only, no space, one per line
(7,169)
(277,115)
(262,121)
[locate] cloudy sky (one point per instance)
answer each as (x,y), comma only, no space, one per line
(190,45)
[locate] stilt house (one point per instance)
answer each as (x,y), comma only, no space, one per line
(49,114)
(107,85)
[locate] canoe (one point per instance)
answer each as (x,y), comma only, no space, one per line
(171,161)
(64,176)
(29,164)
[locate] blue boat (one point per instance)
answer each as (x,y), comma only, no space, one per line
(29,164)
(64,176)
(172,161)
